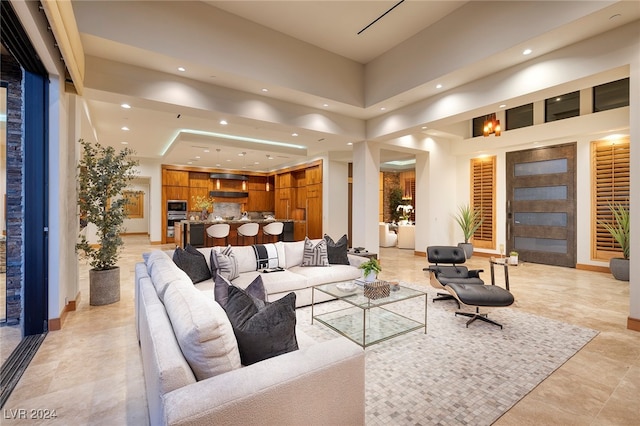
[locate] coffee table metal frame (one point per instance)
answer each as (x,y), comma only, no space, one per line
(377,322)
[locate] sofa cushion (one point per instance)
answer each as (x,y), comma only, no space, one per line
(315,254)
(325,275)
(293,252)
(276,282)
(203,331)
(255,290)
(262,333)
(224,262)
(266,256)
(337,250)
(163,272)
(192,262)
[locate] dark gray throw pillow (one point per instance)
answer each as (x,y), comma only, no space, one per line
(191,261)
(337,251)
(255,290)
(262,333)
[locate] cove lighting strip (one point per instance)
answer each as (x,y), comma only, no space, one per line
(235,138)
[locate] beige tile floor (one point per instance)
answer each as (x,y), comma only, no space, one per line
(90,371)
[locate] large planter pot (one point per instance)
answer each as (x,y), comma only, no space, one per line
(468,249)
(619,268)
(104,286)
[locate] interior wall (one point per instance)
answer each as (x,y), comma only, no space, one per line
(335,198)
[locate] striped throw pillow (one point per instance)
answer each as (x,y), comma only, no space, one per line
(224,263)
(315,255)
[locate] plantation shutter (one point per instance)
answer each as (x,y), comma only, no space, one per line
(610,185)
(483,191)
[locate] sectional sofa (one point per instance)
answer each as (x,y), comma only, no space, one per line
(192,370)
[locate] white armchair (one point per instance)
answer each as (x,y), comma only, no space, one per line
(387,238)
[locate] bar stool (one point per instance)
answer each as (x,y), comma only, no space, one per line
(248,230)
(272,229)
(219,230)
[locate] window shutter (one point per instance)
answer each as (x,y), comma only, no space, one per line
(483,175)
(610,185)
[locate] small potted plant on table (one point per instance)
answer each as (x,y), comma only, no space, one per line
(370,269)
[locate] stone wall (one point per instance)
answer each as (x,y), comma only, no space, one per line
(11,73)
(390,180)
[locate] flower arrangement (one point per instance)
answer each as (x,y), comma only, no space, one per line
(406,211)
(201,202)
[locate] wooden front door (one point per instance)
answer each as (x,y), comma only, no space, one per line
(541,204)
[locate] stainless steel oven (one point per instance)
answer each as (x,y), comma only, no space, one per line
(176,211)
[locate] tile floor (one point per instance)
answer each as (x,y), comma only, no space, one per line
(90,371)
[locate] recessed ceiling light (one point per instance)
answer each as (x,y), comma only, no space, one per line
(228,160)
(206,150)
(189,162)
(439,86)
(503,106)
(181,69)
(125,106)
(424,127)
(197,157)
(218,165)
(124,143)
(223,122)
(294,134)
(242,154)
(325,105)
(527,51)
(558,99)
(125,128)
(256,162)
(383,109)
(349,143)
(264,89)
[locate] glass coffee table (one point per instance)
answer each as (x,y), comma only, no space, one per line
(368,321)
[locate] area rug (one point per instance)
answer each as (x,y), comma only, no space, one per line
(455,375)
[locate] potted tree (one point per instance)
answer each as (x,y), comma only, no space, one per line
(469,220)
(370,269)
(618,227)
(395,199)
(103,174)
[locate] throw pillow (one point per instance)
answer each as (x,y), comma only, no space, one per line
(262,333)
(337,251)
(266,256)
(203,331)
(224,263)
(315,255)
(192,262)
(256,290)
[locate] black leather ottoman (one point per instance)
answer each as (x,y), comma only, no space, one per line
(480,295)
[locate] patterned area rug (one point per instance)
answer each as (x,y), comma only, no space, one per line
(455,375)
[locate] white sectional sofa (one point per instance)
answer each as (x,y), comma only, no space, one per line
(295,277)
(192,371)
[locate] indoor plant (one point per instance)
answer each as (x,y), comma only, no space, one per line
(513,257)
(406,213)
(202,203)
(370,269)
(395,199)
(103,174)
(469,220)
(619,230)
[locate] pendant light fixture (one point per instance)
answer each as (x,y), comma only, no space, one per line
(218,165)
(244,166)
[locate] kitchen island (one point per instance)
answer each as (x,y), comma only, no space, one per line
(194,232)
